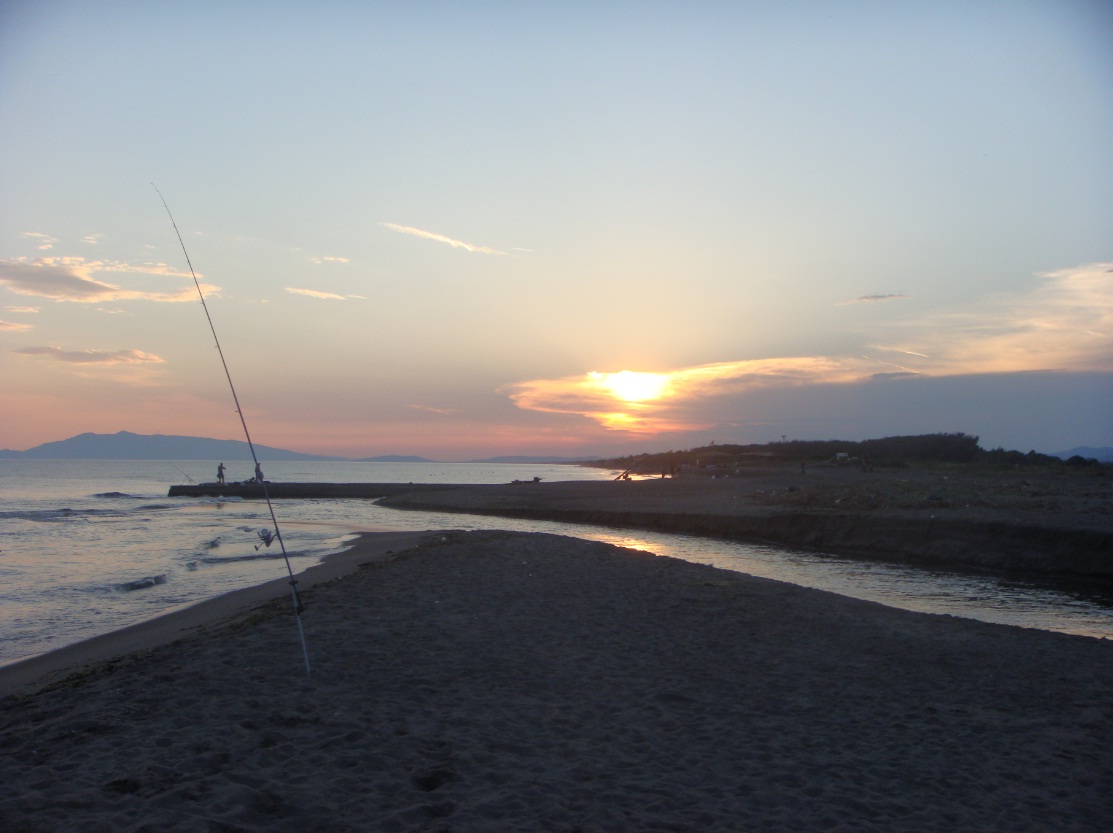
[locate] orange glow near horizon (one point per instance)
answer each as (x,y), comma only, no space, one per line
(658,402)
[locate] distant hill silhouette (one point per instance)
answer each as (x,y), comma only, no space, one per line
(1102,455)
(886,451)
(125,445)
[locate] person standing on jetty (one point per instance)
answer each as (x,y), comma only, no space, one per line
(220,474)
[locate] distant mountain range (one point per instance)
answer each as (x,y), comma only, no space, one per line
(125,445)
(128,446)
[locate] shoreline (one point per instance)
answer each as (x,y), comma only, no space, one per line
(731,509)
(22,675)
(523,681)
(775,505)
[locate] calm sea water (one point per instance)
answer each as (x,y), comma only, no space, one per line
(87,547)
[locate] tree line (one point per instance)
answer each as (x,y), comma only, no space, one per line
(897,452)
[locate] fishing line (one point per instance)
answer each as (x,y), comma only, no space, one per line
(277,536)
(184,474)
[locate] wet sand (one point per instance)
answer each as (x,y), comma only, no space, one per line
(494,681)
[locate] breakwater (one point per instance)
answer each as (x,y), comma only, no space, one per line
(254,491)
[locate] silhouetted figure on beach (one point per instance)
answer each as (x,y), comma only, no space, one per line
(220,474)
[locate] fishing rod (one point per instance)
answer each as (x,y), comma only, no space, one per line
(267,538)
(186,476)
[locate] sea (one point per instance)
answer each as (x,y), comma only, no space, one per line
(88,547)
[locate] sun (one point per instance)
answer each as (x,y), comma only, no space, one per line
(631,386)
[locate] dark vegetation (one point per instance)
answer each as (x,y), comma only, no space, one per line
(888,452)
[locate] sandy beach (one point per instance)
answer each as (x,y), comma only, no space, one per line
(493,681)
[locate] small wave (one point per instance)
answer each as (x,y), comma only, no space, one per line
(56,515)
(232,559)
(211,545)
(140,583)
(112,495)
(262,555)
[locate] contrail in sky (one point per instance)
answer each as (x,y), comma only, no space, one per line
(440,238)
(892,296)
(327,296)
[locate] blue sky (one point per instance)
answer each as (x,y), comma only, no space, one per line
(468,229)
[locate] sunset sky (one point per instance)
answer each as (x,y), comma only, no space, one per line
(468,229)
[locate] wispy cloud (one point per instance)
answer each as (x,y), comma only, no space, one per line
(891,349)
(431,410)
(13,327)
(1066,323)
(325,296)
(866,299)
(328,259)
(30,310)
(92,356)
(440,238)
(71,279)
(45,241)
(92,239)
